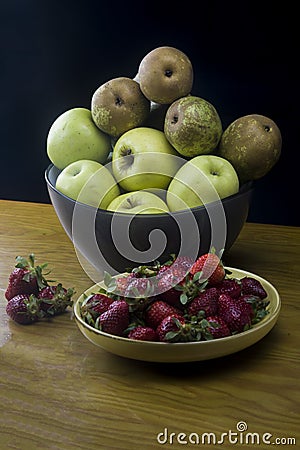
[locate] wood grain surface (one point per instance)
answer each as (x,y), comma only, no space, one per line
(60,392)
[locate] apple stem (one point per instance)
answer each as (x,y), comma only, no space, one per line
(126,152)
(130,202)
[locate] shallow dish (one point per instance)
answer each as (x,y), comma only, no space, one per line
(183,352)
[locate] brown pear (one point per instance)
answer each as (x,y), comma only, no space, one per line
(252,144)
(119,105)
(165,74)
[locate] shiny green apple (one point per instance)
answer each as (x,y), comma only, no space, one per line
(73,136)
(138,202)
(201,180)
(88,182)
(143,158)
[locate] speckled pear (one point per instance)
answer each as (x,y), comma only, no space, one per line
(119,105)
(252,144)
(193,126)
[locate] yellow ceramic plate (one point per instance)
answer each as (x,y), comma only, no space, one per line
(183,352)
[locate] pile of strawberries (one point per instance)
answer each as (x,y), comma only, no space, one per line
(30,296)
(179,301)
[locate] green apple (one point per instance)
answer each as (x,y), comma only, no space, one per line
(88,182)
(143,158)
(74,136)
(138,202)
(201,180)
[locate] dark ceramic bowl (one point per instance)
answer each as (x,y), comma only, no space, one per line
(116,242)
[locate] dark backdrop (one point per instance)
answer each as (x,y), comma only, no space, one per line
(54,54)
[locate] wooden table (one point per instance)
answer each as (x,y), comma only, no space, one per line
(58,391)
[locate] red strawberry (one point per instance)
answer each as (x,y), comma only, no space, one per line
(248,304)
(230,286)
(211,268)
(252,286)
(55,299)
(215,327)
(236,317)
(177,270)
(122,283)
(163,269)
(94,305)
(21,281)
(176,286)
(181,266)
(118,285)
(24,309)
(157,311)
(206,301)
(169,294)
(169,330)
(116,319)
(26,278)
(141,333)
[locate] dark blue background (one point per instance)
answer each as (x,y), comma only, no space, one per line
(54,54)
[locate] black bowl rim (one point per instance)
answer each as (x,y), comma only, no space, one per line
(244,188)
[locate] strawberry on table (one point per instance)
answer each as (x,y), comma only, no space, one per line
(55,299)
(24,309)
(26,278)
